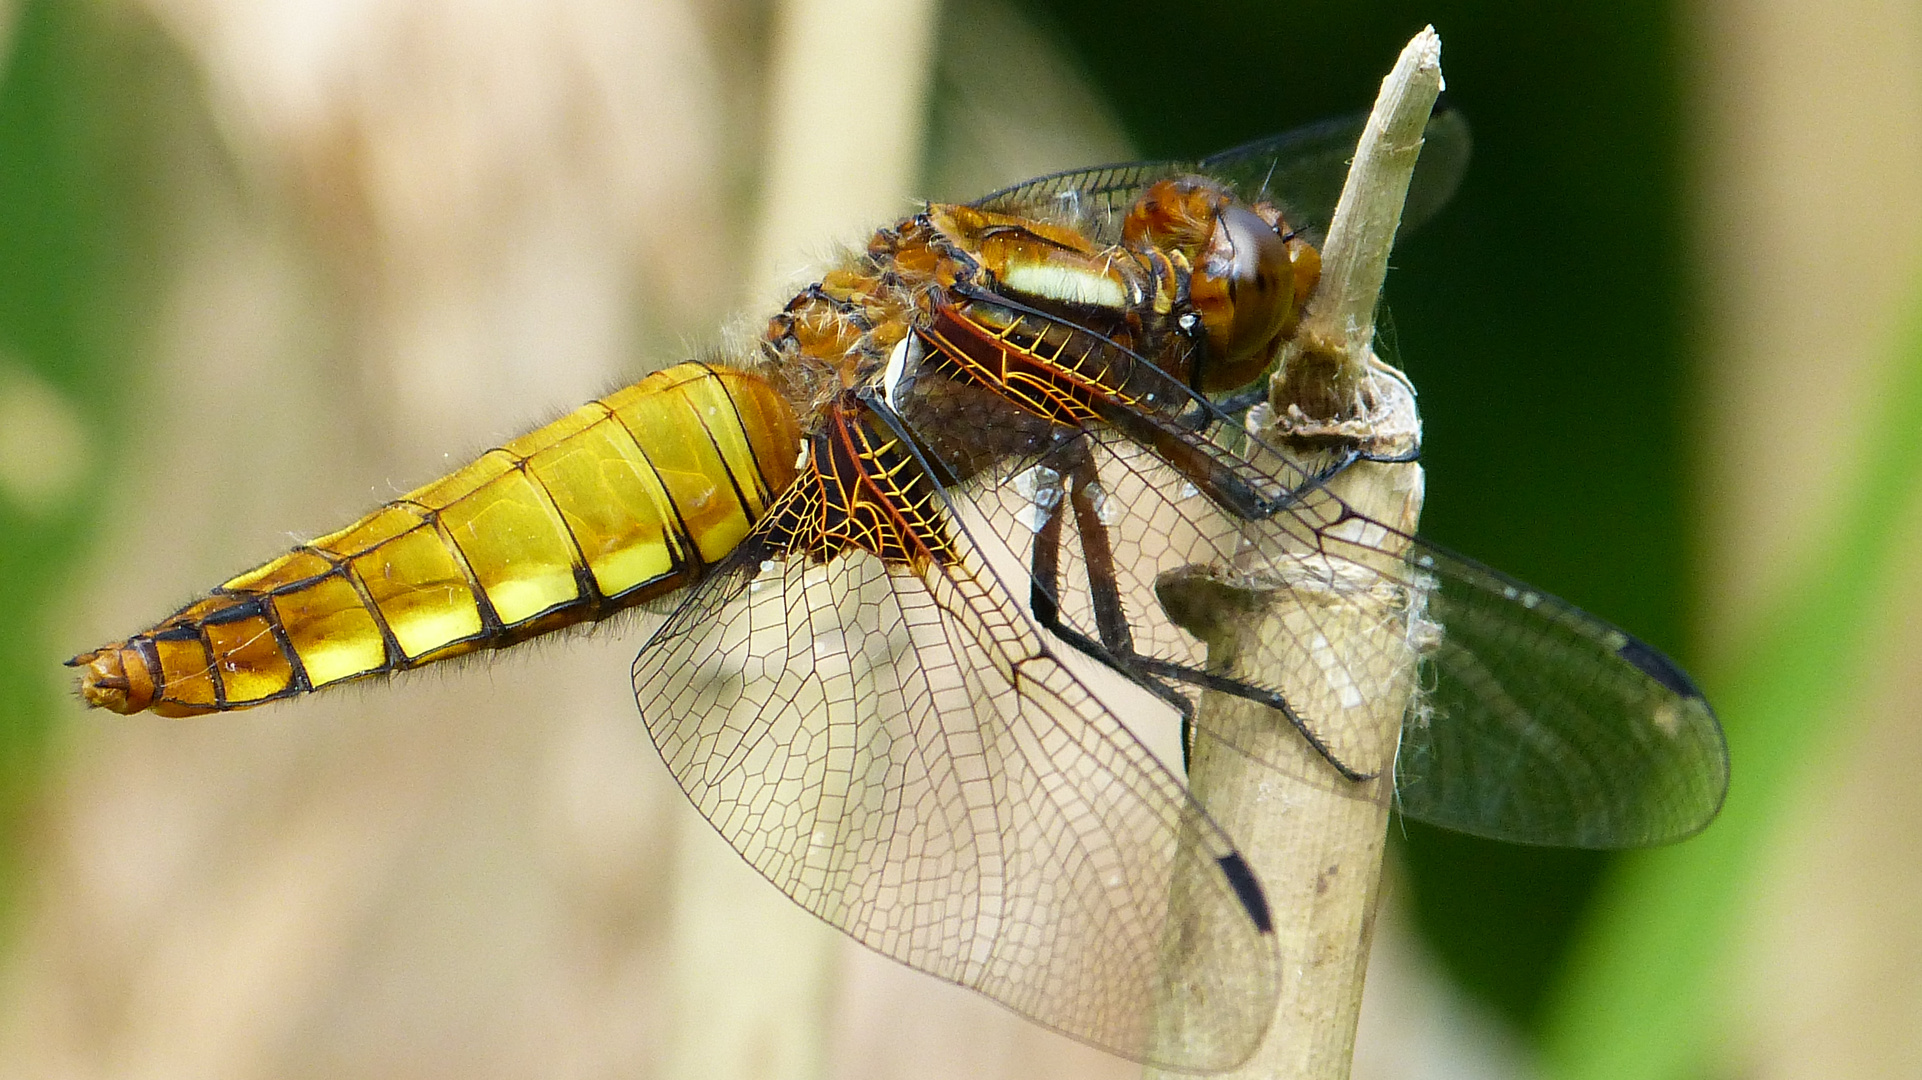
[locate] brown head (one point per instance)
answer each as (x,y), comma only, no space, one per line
(1247,274)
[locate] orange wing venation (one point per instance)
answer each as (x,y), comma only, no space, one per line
(862,490)
(894,746)
(623,500)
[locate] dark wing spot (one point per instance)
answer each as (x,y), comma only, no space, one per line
(1247,890)
(1658,667)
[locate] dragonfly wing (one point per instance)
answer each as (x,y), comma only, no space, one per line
(1153,522)
(1532,721)
(900,753)
(1301,171)
(1542,724)
(1095,199)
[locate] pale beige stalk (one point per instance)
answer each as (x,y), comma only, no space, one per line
(1336,639)
(754,977)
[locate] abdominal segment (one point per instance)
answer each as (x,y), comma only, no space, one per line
(621,501)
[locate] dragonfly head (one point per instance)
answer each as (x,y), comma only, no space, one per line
(1247,274)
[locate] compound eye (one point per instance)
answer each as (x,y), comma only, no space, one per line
(1244,290)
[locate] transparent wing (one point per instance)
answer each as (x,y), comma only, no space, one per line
(1094,200)
(1127,521)
(901,755)
(1532,721)
(1545,725)
(1300,171)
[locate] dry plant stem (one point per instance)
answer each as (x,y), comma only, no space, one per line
(1315,838)
(1334,640)
(1323,367)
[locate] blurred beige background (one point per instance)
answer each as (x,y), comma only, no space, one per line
(1808,177)
(420,226)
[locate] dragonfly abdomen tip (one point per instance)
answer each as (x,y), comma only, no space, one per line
(116,679)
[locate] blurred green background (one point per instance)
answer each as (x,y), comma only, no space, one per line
(87,105)
(1552,319)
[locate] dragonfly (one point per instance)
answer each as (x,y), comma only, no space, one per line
(880,533)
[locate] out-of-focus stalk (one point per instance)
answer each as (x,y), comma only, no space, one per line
(754,977)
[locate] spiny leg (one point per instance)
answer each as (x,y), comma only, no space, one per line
(1111,621)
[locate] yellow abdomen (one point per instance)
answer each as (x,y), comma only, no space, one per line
(623,500)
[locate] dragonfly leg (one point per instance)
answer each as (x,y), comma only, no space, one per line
(1116,646)
(1248,691)
(1203,413)
(1117,641)
(1227,481)
(1402,458)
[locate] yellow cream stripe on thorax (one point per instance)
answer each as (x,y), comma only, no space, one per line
(622,500)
